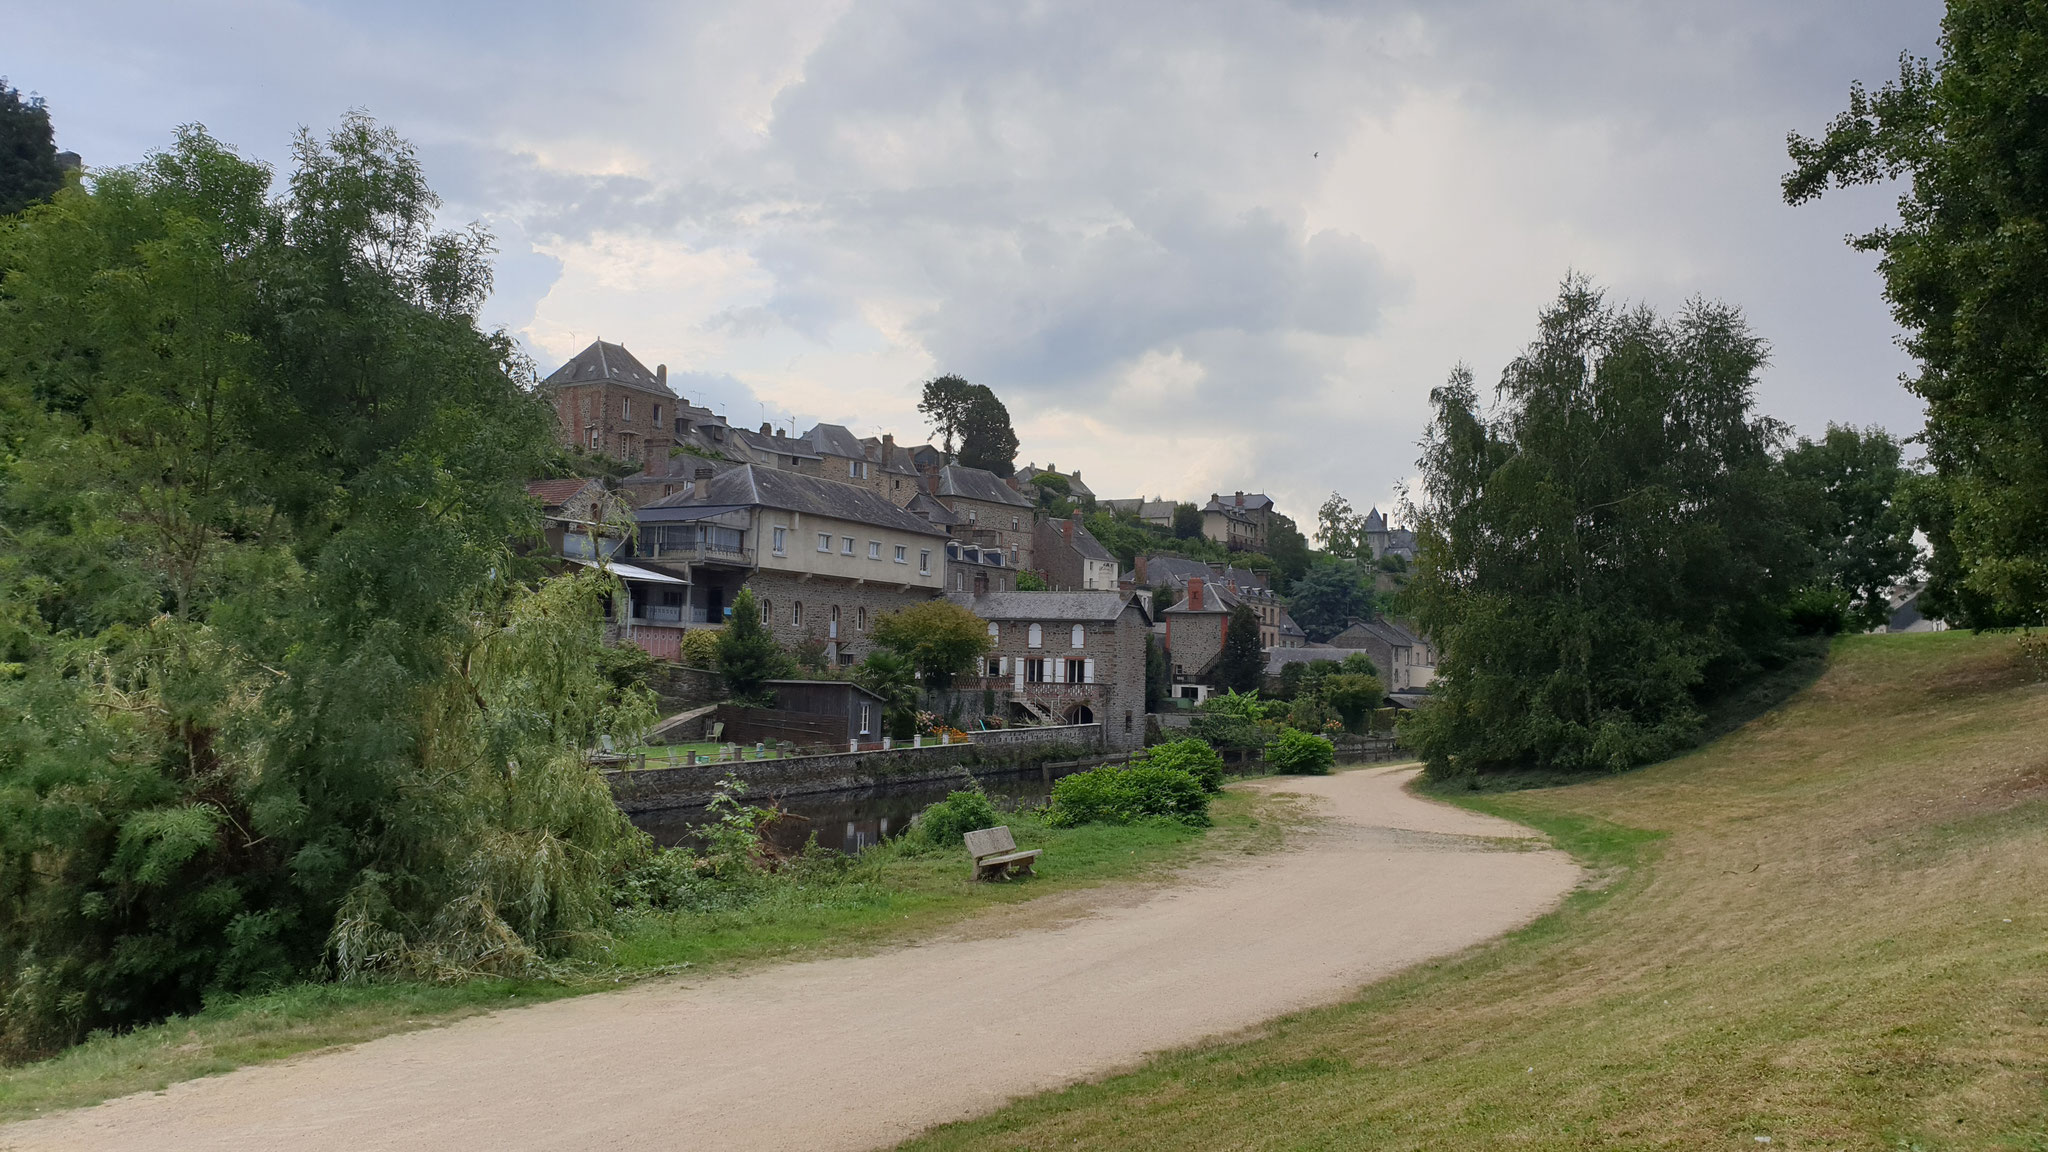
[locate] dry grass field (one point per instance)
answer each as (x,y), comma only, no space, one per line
(1827,930)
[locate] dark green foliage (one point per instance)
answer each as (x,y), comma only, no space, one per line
(1126,537)
(893,677)
(1340,529)
(1966,271)
(1605,548)
(971,416)
(1232,722)
(1324,600)
(1845,488)
(1819,610)
(1242,665)
(1158,675)
(1029,581)
(1299,753)
(1353,696)
(275,707)
(1191,756)
(748,657)
(944,823)
(28,152)
(1358,664)
(1128,795)
(1187,522)
(1290,552)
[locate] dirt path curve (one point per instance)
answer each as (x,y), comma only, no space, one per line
(861,1052)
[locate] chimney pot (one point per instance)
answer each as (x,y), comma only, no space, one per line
(661,375)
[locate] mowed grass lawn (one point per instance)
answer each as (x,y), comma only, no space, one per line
(887,896)
(1828,930)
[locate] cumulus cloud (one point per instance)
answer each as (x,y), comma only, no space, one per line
(1197,247)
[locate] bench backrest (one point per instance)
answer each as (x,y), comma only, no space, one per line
(990,842)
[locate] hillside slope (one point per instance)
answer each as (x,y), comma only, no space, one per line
(1829,928)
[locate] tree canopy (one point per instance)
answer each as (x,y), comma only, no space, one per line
(1603,548)
(1242,665)
(1325,598)
(1966,271)
(280,700)
(29,172)
(1846,489)
(940,638)
(973,423)
(748,656)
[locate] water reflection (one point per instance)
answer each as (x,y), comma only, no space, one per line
(849,821)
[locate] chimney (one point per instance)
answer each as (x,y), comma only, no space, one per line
(888,447)
(1240,499)
(1051,467)
(661,375)
(766,428)
(1138,565)
(931,482)
(1218,567)
(1077,473)
(703,473)
(1067,530)
(1195,586)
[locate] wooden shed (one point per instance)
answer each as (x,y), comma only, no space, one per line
(858,708)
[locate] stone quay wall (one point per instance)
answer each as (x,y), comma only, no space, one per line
(693,785)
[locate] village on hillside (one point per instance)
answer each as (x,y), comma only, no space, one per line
(831,530)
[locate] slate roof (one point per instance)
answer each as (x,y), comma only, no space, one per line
(835,440)
(756,486)
(889,458)
(1140,507)
(1379,627)
(966,483)
(1177,569)
(607,363)
(1279,658)
(776,445)
(1253,502)
(1374,522)
(1072,607)
(1089,547)
(924,505)
(1215,598)
(1031,472)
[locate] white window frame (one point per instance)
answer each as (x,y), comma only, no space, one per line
(901,554)
(824,542)
(860,619)
(781,540)
(995,631)
(924,561)
(865,710)
(626,412)
(796,614)
(874,549)
(767,611)
(846,545)
(1034,637)
(1080,636)
(971,515)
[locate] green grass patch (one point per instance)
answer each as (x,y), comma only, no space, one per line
(888,895)
(1825,928)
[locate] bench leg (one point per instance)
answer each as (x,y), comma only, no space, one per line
(1023,868)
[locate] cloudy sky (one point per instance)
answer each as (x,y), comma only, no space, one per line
(1195,247)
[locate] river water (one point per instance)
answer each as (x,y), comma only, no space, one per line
(851,821)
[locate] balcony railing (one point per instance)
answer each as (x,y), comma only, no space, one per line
(696,552)
(669,614)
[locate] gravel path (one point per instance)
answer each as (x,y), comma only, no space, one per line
(861,1052)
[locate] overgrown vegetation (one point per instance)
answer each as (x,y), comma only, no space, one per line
(1128,794)
(1301,753)
(280,705)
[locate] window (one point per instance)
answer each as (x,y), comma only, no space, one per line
(593,436)
(924,561)
(846,545)
(866,711)
(1127,720)
(971,515)
(1034,670)
(1013,523)
(959,580)
(1080,634)
(796,614)
(995,667)
(995,631)
(1035,637)
(874,549)
(860,619)
(824,541)
(765,608)
(781,540)
(899,555)
(657,414)
(852,470)
(628,411)
(1076,671)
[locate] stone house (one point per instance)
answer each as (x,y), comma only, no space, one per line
(1239,522)
(572,515)
(1407,662)
(774,447)
(824,559)
(973,571)
(1276,628)
(1380,540)
(1194,636)
(1027,477)
(1070,558)
(607,401)
(1066,658)
(1158,513)
(991,513)
(895,469)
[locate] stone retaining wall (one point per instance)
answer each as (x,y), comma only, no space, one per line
(690,786)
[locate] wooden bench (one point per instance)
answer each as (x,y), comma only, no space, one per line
(996,856)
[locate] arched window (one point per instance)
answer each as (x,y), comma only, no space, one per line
(1079,634)
(767,608)
(1035,637)
(860,619)
(995,631)
(796,614)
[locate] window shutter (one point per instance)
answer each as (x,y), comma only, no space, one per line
(1004,667)
(1019,682)
(1088,671)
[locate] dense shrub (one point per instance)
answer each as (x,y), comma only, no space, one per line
(944,823)
(700,647)
(1191,756)
(1128,795)
(1232,722)
(1300,753)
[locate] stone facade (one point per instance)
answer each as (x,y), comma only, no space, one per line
(1072,657)
(1070,558)
(835,613)
(607,401)
(1194,632)
(1239,521)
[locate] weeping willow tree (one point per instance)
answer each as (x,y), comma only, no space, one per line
(277,699)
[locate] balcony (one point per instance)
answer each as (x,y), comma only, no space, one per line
(694,552)
(669,614)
